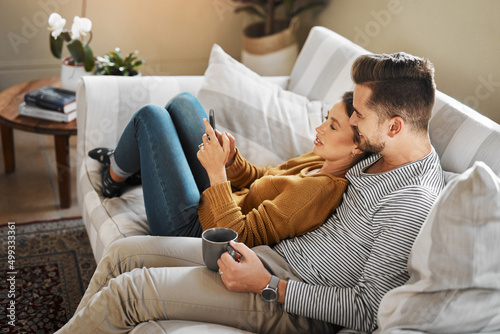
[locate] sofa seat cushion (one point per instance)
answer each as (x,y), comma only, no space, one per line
(183,327)
(454,284)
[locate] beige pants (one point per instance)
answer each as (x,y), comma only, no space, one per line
(152,278)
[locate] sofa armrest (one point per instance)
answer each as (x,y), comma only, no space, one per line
(105,104)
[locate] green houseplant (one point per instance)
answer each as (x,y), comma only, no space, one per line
(276,15)
(113,63)
(269,46)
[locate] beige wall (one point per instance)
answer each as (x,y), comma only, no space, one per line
(461,37)
(173,36)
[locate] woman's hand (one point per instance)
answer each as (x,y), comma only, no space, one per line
(214,154)
(232,146)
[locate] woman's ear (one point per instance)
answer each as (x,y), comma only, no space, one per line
(356,152)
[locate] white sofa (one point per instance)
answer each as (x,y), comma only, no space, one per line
(460,135)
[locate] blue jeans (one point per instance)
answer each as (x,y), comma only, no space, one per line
(163,143)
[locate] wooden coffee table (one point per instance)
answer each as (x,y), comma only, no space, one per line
(10,120)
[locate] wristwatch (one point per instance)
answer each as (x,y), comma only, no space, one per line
(270,292)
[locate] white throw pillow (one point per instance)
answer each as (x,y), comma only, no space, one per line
(270,124)
(454,267)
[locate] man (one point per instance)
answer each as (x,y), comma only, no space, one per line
(334,276)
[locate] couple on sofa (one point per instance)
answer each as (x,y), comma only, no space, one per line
(331,252)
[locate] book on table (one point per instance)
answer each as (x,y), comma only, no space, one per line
(52,98)
(46,114)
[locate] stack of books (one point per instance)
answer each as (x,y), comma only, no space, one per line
(49,103)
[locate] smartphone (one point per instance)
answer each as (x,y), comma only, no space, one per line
(211,118)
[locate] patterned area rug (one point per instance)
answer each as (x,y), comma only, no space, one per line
(46,267)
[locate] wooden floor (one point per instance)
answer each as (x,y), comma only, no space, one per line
(30,193)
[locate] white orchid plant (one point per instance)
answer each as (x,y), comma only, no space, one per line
(80,51)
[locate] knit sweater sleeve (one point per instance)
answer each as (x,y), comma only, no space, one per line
(287,215)
(242,173)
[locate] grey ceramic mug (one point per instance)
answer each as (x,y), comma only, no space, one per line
(215,242)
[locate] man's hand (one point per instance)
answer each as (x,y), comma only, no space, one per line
(247,275)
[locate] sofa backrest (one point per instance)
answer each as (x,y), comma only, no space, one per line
(459,134)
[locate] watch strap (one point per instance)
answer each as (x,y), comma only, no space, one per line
(273,284)
(270,292)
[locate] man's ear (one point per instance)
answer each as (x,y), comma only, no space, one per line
(396,124)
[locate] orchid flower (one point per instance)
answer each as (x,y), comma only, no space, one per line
(81,27)
(56,24)
(80,51)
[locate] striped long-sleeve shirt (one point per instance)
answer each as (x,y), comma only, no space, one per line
(361,251)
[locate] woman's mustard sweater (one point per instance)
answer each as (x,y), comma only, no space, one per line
(273,203)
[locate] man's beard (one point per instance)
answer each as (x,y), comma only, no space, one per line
(368,146)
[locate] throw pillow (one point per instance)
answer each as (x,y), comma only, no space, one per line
(270,124)
(454,268)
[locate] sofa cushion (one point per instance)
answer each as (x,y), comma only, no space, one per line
(183,327)
(462,136)
(455,273)
(323,68)
(270,124)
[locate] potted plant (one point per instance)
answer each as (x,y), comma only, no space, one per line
(81,62)
(113,63)
(272,37)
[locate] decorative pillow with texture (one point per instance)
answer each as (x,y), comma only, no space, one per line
(270,124)
(454,267)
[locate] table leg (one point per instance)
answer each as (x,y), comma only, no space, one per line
(63,170)
(8,148)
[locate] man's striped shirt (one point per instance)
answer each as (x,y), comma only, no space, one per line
(361,251)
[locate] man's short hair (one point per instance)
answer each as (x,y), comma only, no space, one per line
(401,84)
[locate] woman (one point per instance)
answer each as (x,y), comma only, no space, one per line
(188,186)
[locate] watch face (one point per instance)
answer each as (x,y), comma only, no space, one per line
(269,294)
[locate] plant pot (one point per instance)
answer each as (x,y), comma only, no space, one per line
(274,54)
(71,74)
